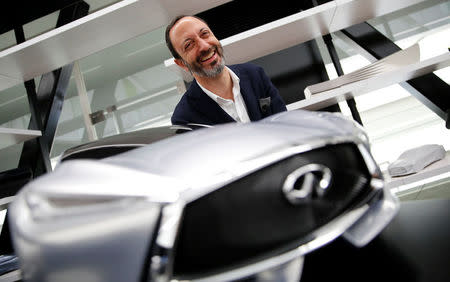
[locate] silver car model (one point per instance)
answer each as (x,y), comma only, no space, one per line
(232,202)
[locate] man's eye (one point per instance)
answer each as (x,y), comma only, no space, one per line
(187,46)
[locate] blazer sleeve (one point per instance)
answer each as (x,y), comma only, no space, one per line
(180,114)
(177,120)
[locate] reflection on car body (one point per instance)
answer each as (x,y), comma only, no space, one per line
(208,205)
(116,144)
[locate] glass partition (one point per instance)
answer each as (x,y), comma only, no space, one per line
(127,85)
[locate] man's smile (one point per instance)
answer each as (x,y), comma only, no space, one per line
(208,57)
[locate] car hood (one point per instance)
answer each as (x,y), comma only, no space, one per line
(227,151)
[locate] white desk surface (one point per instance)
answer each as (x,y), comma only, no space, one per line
(12,276)
(350,90)
(433,170)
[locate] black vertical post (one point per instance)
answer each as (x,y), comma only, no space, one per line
(337,65)
(41,149)
(46,103)
(45,108)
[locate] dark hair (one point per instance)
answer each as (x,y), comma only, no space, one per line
(169,27)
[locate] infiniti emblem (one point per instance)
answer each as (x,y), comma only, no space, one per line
(306,181)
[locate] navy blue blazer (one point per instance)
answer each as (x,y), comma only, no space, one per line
(260,96)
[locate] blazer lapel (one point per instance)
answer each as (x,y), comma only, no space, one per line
(207,106)
(250,99)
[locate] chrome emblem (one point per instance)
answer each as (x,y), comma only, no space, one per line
(306,182)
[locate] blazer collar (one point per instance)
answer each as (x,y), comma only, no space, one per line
(247,92)
(207,106)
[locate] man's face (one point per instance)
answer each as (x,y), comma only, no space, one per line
(201,53)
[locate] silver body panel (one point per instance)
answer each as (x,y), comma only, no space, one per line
(207,159)
(71,225)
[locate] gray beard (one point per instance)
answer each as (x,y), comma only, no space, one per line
(210,73)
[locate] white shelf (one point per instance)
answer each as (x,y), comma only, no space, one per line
(298,28)
(11,136)
(380,80)
(92,33)
(12,276)
(4,203)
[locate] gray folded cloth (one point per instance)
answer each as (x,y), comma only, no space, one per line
(416,159)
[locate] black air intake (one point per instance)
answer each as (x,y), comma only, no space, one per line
(252,215)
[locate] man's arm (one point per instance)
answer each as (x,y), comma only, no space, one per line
(177,121)
(179,115)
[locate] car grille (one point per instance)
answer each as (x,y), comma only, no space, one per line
(251,216)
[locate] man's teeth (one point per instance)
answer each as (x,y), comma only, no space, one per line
(209,56)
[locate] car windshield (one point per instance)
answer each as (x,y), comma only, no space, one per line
(113,145)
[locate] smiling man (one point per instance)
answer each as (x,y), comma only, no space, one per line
(220,93)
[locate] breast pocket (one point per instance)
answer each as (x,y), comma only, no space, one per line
(264,106)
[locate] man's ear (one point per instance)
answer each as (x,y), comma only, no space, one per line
(181,64)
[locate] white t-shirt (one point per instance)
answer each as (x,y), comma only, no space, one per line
(237,109)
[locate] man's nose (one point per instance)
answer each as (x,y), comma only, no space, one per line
(203,45)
